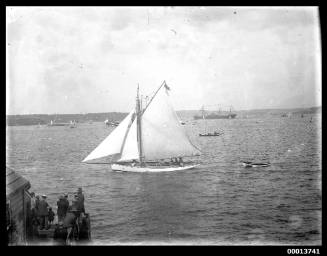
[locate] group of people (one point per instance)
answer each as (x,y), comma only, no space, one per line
(173,161)
(43,216)
(177,161)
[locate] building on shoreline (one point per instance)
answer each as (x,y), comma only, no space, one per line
(18,208)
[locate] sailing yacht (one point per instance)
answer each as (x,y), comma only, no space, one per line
(206,134)
(147,138)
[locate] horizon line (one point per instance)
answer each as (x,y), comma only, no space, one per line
(255,109)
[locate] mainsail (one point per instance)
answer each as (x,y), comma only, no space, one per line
(161,136)
(113,143)
(130,148)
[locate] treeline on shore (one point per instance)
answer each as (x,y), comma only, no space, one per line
(42,119)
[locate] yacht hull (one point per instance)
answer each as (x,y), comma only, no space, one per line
(129,168)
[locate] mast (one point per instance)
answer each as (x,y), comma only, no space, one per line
(139,130)
(203,117)
(202,110)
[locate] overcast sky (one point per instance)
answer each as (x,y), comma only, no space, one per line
(90,59)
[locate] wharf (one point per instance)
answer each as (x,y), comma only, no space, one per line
(46,233)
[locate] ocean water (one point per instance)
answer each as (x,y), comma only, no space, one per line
(220,202)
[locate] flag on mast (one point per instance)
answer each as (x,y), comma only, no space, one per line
(166,86)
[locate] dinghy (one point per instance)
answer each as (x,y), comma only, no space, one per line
(147,136)
(208,134)
(251,164)
(211,134)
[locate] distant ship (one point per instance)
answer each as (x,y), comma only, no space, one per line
(111,123)
(218,115)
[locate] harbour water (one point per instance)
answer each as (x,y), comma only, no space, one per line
(220,202)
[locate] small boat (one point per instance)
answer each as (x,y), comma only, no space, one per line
(52,123)
(111,123)
(251,164)
(114,123)
(207,134)
(147,136)
(289,114)
(72,124)
(211,134)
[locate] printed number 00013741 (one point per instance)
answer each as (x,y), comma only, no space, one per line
(303,251)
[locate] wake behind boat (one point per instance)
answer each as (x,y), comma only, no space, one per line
(148,136)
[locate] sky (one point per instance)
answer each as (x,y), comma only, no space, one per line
(91,59)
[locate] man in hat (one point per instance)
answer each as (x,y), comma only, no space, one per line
(37,201)
(76,206)
(80,198)
(70,220)
(61,208)
(33,203)
(33,199)
(43,212)
(66,203)
(37,215)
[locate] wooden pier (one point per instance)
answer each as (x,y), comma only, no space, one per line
(20,227)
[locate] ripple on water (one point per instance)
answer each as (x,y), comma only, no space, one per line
(218,202)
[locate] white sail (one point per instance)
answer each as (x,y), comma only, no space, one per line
(113,143)
(162,134)
(130,149)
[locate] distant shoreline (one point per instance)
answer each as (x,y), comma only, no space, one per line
(43,119)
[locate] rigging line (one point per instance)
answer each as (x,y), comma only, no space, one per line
(193,144)
(164,82)
(178,119)
(187,136)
